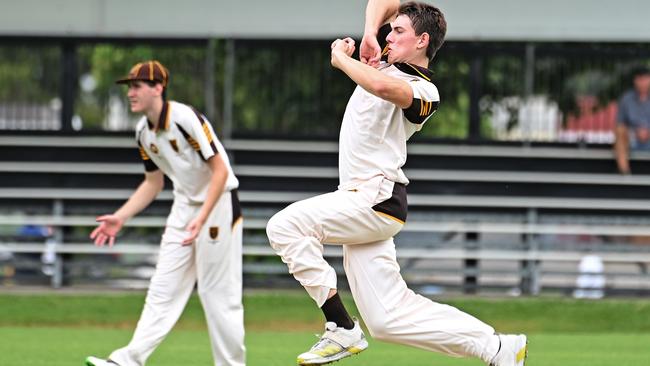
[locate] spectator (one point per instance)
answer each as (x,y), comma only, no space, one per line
(633,120)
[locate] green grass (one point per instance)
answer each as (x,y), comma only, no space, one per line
(52,329)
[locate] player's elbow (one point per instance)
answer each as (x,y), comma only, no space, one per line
(155,182)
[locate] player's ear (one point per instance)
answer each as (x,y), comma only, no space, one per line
(423,41)
(159,88)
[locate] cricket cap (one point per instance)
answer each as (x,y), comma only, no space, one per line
(151,70)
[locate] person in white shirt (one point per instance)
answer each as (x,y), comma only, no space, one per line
(202,241)
(392,101)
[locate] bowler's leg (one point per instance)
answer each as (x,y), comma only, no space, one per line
(394,313)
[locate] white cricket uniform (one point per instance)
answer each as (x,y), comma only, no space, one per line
(180,148)
(363,215)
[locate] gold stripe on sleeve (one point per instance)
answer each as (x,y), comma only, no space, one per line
(207,132)
(143,154)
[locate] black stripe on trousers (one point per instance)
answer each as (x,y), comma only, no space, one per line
(236,207)
(397,205)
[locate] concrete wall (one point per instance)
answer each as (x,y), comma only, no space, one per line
(566,20)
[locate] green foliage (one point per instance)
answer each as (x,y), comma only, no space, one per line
(503,76)
(29,74)
(451,77)
(106,63)
(450,120)
(288,89)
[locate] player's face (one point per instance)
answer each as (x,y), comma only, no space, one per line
(142,96)
(403,44)
(642,83)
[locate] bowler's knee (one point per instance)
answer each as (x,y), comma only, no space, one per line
(279,230)
(378,329)
(273,228)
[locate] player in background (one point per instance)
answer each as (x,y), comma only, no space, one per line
(202,241)
(391,103)
(633,120)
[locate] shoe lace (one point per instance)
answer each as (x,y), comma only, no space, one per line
(321,343)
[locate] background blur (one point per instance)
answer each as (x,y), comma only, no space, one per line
(514,187)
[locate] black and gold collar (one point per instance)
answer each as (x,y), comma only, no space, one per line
(415,70)
(163,120)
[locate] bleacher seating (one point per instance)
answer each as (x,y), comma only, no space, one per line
(476,211)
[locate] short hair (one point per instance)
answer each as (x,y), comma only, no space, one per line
(428,19)
(153,83)
(640,70)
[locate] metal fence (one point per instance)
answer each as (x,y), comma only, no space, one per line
(537,92)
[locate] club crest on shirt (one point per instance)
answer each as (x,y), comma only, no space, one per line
(214,232)
(174,145)
(153,148)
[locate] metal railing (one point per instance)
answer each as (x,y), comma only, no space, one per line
(517,91)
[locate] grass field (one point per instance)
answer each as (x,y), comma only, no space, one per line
(52,329)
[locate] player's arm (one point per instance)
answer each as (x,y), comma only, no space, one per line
(394,90)
(215,189)
(621,134)
(621,148)
(378,12)
(200,130)
(110,225)
(153,183)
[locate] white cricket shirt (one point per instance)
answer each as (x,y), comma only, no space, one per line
(179,147)
(374,131)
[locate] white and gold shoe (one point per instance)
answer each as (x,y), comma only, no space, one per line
(513,351)
(336,343)
(94,361)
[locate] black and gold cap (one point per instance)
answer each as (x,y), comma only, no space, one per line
(151,70)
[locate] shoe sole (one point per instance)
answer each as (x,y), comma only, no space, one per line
(351,351)
(90,363)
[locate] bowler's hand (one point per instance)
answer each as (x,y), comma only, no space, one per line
(109,226)
(370,51)
(193,228)
(345,46)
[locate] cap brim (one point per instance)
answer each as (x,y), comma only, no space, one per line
(124,81)
(128,80)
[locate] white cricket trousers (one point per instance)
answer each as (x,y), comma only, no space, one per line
(214,262)
(363,219)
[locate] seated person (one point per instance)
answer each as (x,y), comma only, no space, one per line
(633,120)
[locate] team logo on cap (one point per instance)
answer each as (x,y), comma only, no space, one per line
(174,145)
(154,148)
(214,232)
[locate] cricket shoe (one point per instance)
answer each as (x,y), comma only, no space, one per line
(336,343)
(94,361)
(513,351)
